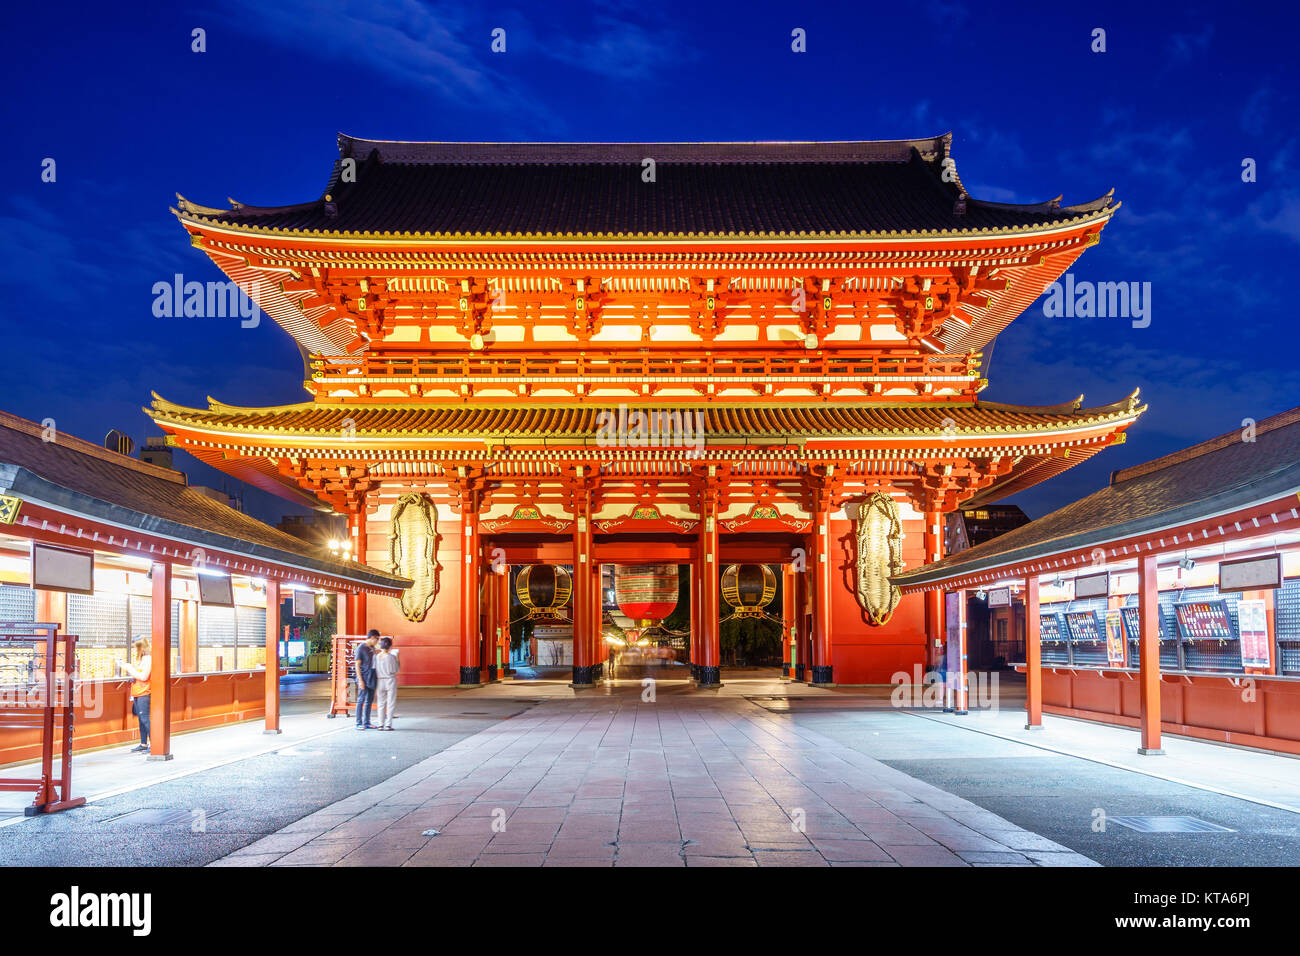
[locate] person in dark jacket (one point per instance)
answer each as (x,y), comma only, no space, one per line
(364,664)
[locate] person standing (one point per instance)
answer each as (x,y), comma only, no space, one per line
(141,685)
(386,668)
(365,673)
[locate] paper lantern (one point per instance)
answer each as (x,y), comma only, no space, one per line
(748,588)
(543,589)
(646,592)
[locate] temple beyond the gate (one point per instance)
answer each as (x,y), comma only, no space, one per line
(788,336)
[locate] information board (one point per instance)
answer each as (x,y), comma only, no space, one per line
(1252,618)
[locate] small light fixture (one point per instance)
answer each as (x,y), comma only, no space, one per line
(980,594)
(1186,563)
(1060,581)
(810,340)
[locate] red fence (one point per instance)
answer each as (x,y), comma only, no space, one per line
(37,694)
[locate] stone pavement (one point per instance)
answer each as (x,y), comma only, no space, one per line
(685,781)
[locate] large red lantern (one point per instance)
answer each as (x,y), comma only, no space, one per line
(646,592)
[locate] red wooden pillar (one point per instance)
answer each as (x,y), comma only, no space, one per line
(160,677)
(932,543)
(821,580)
(1149,654)
(959,679)
(501,583)
(582,623)
(356,601)
(273,656)
(787,617)
(597,622)
(471,561)
(1033,657)
(697,612)
(710,670)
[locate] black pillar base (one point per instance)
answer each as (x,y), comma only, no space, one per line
(710,676)
(492,672)
(695,671)
(821,674)
(582,676)
(798,671)
(785,668)
(469,675)
(598,671)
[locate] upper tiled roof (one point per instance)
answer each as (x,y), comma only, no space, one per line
(1211,478)
(578,190)
(70,474)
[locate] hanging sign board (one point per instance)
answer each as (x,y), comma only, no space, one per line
(1094,585)
(1114,639)
(1251,574)
(1252,621)
(61,569)
(215,590)
(304,603)
(1000,597)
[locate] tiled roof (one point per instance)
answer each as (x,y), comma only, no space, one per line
(1207,479)
(584,422)
(70,474)
(889,188)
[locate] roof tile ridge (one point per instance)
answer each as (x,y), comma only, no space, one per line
(83,447)
(1207,447)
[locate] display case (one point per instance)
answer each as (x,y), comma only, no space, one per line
(1053,638)
(1210,635)
(1087,638)
(1169,658)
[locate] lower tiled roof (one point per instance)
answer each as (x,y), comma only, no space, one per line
(1207,479)
(68,473)
(554,422)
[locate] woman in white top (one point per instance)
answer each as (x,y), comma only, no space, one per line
(386,668)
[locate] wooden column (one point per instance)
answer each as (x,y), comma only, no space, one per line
(470,565)
(932,601)
(800,645)
(189,628)
(787,616)
(502,584)
(960,701)
(273,656)
(160,678)
(597,620)
(1033,656)
(821,581)
(356,601)
(582,624)
(710,657)
(1149,655)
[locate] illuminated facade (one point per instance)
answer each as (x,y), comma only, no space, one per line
(580,354)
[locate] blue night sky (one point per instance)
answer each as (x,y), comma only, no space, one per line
(113,93)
